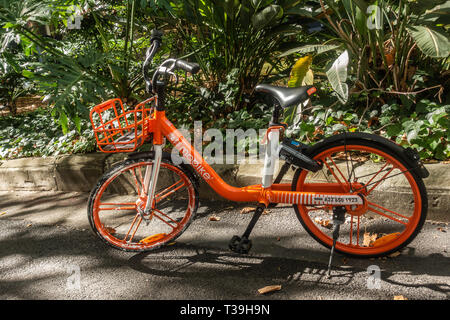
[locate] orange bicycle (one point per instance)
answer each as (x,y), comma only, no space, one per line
(148,200)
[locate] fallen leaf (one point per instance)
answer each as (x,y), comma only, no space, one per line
(229,208)
(369,239)
(110,230)
(395,254)
(29,225)
(266,211)
(400,298)
(4,212)
(247,210)
(441,229)
(324,223)
(268,289)
(278,238)
(214,218)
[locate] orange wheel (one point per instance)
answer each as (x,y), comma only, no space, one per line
(395,198)
(115,208)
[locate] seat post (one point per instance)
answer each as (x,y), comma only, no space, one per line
(275,114)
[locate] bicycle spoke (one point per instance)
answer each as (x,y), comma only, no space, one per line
(169,190)
(388,210)
(141,178)
(386,215)
(379,181)
(332,171)
(129,206)
(351,230)
(357,231)
(139,218)
(133,172)
(342,175)
(346,162)
(375,174)
(166,216)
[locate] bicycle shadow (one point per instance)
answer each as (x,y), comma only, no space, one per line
(190,262)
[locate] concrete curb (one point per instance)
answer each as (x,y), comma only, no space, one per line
(79,173)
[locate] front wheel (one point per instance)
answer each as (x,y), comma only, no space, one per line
(395,199)
(115,208)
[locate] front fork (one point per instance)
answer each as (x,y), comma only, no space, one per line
(151,179)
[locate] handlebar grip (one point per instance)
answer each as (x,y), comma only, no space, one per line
(188,66)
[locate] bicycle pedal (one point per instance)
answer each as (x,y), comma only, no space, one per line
(240,245)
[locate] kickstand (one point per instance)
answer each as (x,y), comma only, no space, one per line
(338,219)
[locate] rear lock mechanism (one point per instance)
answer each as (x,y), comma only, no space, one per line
(292,152)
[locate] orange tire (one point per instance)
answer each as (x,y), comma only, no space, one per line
(395,196)
(115,206)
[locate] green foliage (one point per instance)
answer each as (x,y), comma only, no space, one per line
(389,42)
(79,68)
(425,129)
(423,126)
(13,83)
(215,108)
(36,134)
(238,43)
(223,36)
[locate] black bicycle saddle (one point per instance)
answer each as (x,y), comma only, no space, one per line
(287,97)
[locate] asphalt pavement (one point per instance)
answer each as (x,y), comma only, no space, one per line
(47,251)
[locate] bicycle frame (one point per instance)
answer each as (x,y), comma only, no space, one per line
(332,194)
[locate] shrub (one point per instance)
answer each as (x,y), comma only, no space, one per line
(37,134)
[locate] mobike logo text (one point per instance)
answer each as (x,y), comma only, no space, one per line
(188,156)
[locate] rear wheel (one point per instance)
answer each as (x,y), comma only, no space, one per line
(115,208)
(395,203)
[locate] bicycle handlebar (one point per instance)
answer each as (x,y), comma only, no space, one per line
(156,41)
(187,66)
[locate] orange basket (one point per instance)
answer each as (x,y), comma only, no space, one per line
(117,130)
